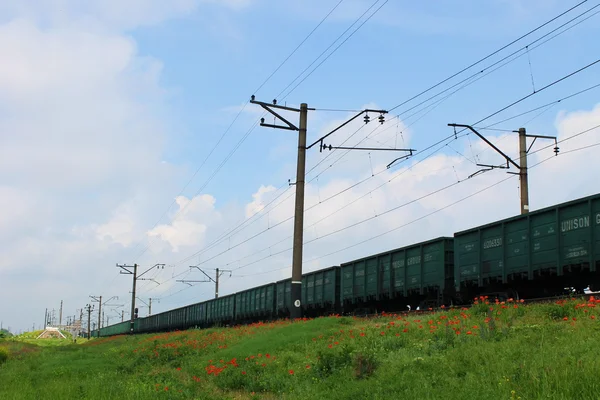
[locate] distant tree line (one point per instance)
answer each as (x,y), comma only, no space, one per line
(4,333)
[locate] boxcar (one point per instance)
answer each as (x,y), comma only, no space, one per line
(255,303)
(415,275)
(537,254)
(320,293)
(283,299)
(220,310)
(116,329)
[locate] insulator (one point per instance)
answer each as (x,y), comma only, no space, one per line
(262,120)
(367,118)
(556,150)
(252,97)
(381,119)
(274,101)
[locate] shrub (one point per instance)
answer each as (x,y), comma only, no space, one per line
(3,355)
(364,365)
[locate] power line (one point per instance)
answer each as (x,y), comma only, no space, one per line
(334,50)
(446,79)
(236,118)
(324,51)
(525,96)
(297,47)
(488,56)
(481,120)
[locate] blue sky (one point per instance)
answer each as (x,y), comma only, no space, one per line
(107,110)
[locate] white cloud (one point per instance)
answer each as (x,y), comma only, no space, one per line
(259,201)
(189,223)
(112,14)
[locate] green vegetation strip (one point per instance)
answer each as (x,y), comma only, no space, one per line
(491,351)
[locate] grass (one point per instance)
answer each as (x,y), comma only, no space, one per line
(491,351)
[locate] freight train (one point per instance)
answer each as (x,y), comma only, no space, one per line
(538,254)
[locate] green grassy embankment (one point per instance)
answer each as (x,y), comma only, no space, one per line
(495,351)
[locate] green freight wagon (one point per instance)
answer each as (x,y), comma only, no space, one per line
(283,299)
(220,310)
(117,329)
(258,302)
(147,324)
(178,318)
(319,292)
(414,275)
(196,315)
(537,254)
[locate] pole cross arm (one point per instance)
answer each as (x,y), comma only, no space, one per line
(344,124)
(535,137)
(268,107)
(149,279)
(508,159)
(208,276)
(158,266)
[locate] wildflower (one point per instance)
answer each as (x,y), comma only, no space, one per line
(243,372)
(382,333)
(307,366)
(565,318)
(593,317)
(469,332)
(291,371)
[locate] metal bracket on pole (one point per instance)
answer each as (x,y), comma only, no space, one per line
(320,140)
(268,107)
(508,159)
(535,137)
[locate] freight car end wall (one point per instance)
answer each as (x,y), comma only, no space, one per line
(537,254)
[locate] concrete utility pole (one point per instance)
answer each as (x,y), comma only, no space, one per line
(89,309)
(60,315)
(128,271)
(218,274)
(521,166)
(296,292)
(122,315)
(99,301)
(523,184)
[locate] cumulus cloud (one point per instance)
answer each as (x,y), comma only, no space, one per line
(189,224)
(259,201)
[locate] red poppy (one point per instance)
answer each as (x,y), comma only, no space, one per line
(291,372)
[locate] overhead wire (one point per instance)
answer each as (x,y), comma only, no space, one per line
(238,115)
(336,41)
(488,56)
(541,89)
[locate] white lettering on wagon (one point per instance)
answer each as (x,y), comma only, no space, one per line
(491,243)
(575,223)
